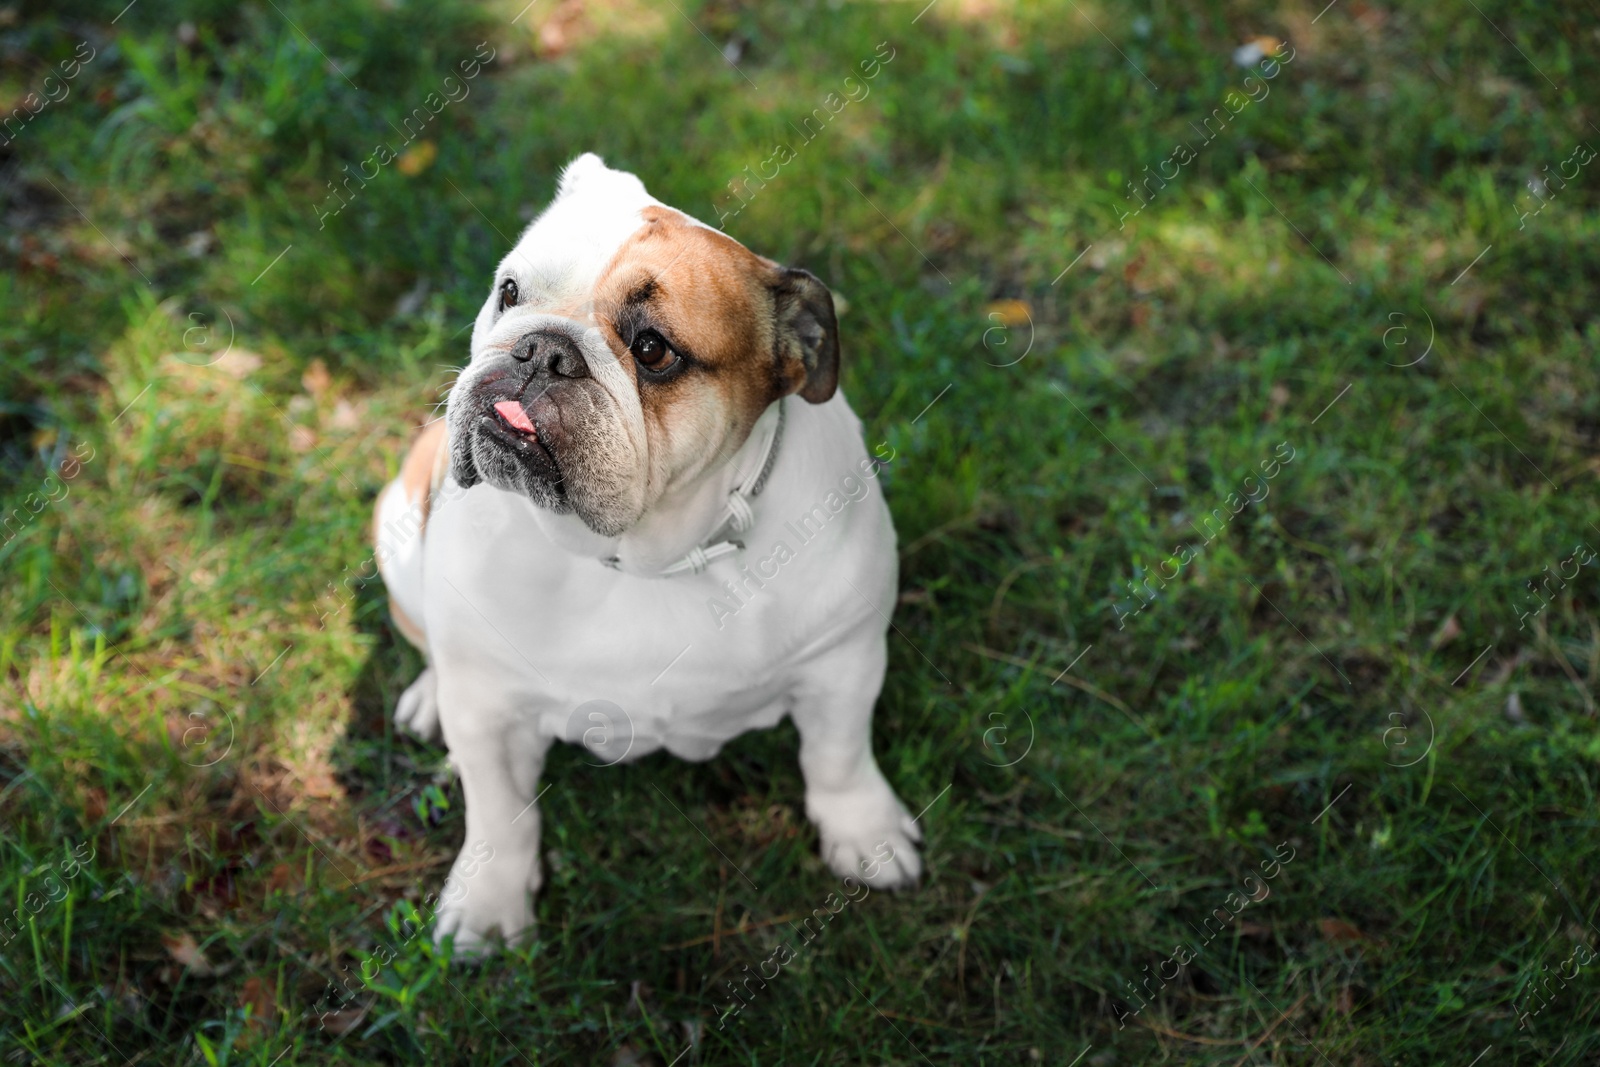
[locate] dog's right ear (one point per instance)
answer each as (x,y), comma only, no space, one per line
(585,166)
(806,335)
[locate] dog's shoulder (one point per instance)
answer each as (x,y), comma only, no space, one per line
(425,465)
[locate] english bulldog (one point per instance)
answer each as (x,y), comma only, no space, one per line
(648,519)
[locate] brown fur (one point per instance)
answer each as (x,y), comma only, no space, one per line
(408,629)
(750,330)
(418,475)
(417,472)
(711,298)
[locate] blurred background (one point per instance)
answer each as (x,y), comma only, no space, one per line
(1239,360)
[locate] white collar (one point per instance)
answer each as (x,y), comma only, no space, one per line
(737,514)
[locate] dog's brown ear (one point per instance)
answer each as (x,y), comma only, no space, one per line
(806,336)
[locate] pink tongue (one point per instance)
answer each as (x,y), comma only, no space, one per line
(511,411)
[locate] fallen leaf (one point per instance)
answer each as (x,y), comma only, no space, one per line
(301,439)
(1337,930)
(257,995)
(559,31)
(183,949)
(281,878)
(418,158)
(345,416)
(1448,631)
(316,379)
(1256,49)
(94,804)
(1371,18)
(1103,253)
(342,1022)
(237,363)
(1009,312)
(552,39)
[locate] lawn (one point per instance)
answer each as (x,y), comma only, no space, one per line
(1246,410)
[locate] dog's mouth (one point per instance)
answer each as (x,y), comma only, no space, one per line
(509,423)
(512,414)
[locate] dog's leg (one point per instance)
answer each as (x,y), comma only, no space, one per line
(399,523)
(417,710)
(490,886)
(866,832)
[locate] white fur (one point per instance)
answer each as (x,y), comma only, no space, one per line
(525,625)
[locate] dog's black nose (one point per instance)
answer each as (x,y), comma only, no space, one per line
(551,352)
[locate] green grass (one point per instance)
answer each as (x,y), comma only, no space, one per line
(196,697)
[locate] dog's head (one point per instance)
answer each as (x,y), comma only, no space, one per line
(625,350)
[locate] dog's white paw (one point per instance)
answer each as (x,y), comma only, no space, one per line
(474,909)
(417,711)
(874,841)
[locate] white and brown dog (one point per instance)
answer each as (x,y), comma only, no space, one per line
(651,522)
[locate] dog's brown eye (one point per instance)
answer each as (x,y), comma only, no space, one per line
(508,294)
(652,352)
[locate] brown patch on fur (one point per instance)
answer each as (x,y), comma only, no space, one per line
(708,296)
(713,300)
(420,474)
(408,629)
(416,473)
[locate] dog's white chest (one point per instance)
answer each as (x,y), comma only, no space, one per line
(628,665)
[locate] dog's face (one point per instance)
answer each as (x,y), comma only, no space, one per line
(625,350)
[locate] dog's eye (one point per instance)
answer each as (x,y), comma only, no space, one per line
(508,294)
(652,352)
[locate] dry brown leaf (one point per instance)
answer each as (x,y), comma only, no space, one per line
(257,995)
(1448,631)
(316,378)
(94,804)
(342,1022)
(302,439)
(183,949)
(345,416)
(418,158)
(238,363)
(1009,312)
(563,28)
(281,879)
(1337,931)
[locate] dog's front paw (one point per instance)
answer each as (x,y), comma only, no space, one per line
(875,842)
(418,709)
(479,902)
